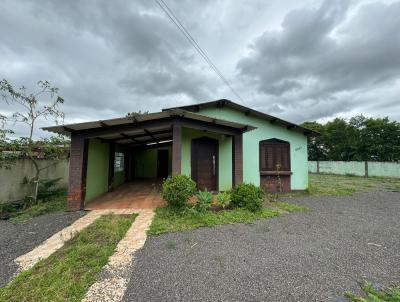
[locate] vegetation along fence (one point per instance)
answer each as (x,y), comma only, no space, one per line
(14,182)
(358,168)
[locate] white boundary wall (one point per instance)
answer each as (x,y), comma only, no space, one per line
(11,181)
(359,168)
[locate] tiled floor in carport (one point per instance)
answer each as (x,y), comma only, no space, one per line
(138,194)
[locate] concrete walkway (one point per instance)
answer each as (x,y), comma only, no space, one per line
(114,277)
(56,241)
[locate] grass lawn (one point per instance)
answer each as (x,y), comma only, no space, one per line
(56,204)
(339,185)
(68,273)
(16,213)
(376,295)
(168,220)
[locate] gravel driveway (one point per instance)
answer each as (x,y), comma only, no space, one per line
(313,256)
(18,239)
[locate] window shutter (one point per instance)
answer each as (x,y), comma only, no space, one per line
(270,157)
(274,152)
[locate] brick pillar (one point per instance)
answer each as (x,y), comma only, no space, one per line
(237,159)
(176,148)
(77,173)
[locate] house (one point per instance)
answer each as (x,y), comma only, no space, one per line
(219,144)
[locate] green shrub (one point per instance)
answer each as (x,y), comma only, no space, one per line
(49,188)
(224,199)
(177,190)
(11,206)
(247,196)
(204,200)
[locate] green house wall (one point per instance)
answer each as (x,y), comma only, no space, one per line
(146,162)
(224,155)
(265,130)
(97,169)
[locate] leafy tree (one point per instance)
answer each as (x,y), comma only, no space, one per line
(8,154)
(380,140)
(359,138)
(31,110)
(316,146)
(339,140)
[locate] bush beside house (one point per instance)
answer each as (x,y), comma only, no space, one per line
(247,196)
(177,191)
(245,203)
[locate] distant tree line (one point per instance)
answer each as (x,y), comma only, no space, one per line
(357,139)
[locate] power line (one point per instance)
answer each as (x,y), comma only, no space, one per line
(174,19)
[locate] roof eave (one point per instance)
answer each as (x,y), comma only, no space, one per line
(249,111)
(173,112)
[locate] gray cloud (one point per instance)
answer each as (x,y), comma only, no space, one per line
(321,55)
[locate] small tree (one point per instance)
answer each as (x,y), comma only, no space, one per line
(31,110)
(133,115)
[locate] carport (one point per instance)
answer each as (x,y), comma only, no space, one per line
(137,194)
(119,159)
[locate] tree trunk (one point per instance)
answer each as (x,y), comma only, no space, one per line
(35,179)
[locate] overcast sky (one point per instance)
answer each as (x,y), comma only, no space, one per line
(298,60)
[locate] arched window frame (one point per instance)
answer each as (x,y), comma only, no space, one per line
(272,152)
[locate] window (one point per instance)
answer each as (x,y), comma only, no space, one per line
(119,162)
(274,155)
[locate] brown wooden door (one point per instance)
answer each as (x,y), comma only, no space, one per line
(162,163)
(205,163)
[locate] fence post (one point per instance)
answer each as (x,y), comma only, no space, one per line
(366,168)
(317,166)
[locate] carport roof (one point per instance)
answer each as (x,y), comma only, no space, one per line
(124,133)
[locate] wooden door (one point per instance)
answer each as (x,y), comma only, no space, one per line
(162,163)
(205,163)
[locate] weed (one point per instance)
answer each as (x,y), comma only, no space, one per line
(187,239)
(220,260)
(171,245)
(224,199)
(373,294)
(204,200)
